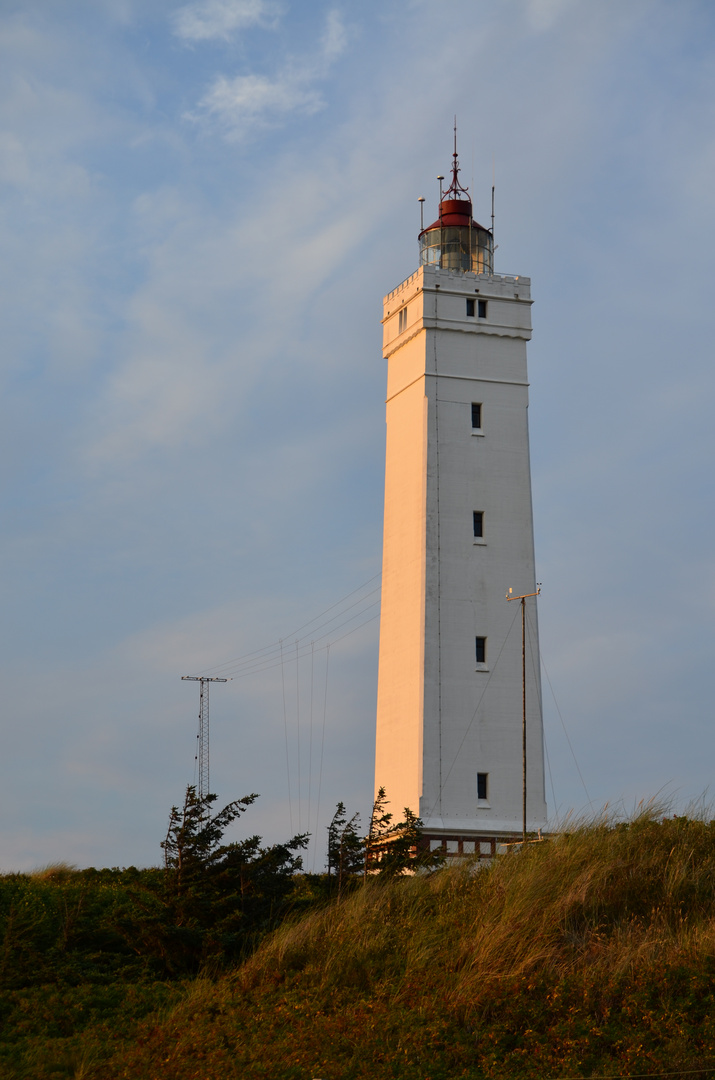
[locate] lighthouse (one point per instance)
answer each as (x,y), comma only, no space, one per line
(458,534)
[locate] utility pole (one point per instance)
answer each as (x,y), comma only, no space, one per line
(523,696)
(202,754)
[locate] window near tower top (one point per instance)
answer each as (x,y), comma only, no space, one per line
(481,650)
(478,520)
(476,416)
(482,786)
(470,308)
(402,320)
(482,309)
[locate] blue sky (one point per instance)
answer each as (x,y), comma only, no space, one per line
(201,207)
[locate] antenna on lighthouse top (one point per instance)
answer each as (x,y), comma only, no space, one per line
(455,163)
(421,201)
(455,190)
(493,186)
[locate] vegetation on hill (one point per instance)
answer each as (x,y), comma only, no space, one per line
(591,954)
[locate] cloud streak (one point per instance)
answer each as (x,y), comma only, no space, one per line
(242,103)
(248,100)
(192,419)
(211,20)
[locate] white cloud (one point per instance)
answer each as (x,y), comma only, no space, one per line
(180,475)
(209,19)
(334,39)
(256,101)
(247,100)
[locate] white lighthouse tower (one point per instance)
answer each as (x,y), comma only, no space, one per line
(458,535)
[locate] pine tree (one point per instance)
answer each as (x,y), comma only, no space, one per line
(378,833)
(393,849)
(345,847)
(216,899)
(192,846)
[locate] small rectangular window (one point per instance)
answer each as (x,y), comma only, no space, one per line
(482,309)
(470,308)
(402,320)
(482,785)
(478,516)
(476,414)
(481,650)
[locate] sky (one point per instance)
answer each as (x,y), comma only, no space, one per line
(201,207)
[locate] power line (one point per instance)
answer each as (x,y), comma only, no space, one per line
(322,747)
(274,659)
(563,725)
(271,652)
(297,720)
(351,613)
(285,729)
(533,637)
(310,739)
(338,602)
(245,658)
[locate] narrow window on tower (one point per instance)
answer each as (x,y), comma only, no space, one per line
(470,308)
(482,309)
(402,320)
(476,416)
(481,650)
(482,786)
(478,523)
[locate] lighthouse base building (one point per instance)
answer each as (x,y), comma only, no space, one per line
(458,534)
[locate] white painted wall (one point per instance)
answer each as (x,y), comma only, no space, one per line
(440,721)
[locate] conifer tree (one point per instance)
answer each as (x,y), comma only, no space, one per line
(393,849)
(192,846)
(379,832)
(216,899)
(345,847)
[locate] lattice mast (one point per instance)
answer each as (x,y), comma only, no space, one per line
(202,750)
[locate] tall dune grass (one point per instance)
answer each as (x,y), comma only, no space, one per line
(603,895)
(591,954)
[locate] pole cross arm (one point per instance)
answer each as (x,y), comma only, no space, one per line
(200,678)
(525,595)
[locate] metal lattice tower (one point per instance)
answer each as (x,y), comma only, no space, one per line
(202,752)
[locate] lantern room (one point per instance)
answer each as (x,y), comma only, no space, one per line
(455,241)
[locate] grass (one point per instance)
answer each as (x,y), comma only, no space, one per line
(592,954)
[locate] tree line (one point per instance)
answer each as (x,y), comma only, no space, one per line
(388,849)
(206,908)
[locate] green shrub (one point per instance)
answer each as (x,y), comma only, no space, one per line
(591,954)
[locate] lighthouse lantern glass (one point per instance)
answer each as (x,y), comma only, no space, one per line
(457,247)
